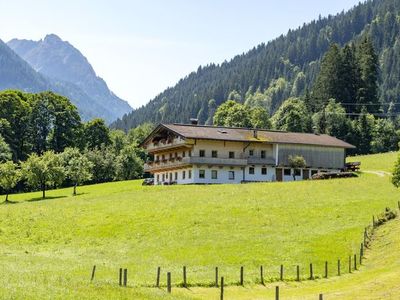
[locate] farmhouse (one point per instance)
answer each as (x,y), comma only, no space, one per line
(197,154)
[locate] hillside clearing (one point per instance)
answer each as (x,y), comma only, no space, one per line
(51,245)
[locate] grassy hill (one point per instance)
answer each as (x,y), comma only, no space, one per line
(49,247)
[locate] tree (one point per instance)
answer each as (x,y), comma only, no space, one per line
(139,133)
(232,114)
(332,120)
(9,177)
(5,152)
(385,137)
(369,68)
(104,164)
(43,171)
(129,165)
(118,140)
(396,173)
(328,84)
(296,162)
(96,134)
(292,116)
(212,107)
(259,118)
(364,131)
(222,112)
(14,113)
(77,167)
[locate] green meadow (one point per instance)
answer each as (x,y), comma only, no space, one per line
(48,247)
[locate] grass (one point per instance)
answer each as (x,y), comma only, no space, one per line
(376,162)
(47,248)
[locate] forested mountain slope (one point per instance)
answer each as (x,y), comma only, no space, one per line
(284,67)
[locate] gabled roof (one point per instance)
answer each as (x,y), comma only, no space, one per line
(247,135)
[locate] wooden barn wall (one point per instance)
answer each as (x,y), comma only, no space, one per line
(315,156)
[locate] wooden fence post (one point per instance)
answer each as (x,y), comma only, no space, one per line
(311,272)
(169,282)
(93,271)
(120,276)
(241,275)
(361,252)
(222,288)
(298,273)
(216,276)
(355,261)
(158,277)
(349,263)
(277,293)
(184,277)
(281,277)
(326,269)
(338,267)
(125,277)
(321,297)
(262,275)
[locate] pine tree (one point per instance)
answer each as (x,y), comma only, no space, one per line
(369,67)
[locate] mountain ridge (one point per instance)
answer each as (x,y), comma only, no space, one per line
(65,70)
(285,66)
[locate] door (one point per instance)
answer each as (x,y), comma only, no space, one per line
(278,174)
(306,174)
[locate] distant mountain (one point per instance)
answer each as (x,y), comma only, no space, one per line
(65,70)
(17,73)
(284,67)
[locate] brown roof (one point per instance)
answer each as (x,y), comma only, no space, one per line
(247,135)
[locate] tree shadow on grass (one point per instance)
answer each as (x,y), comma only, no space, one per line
(9,202)
(47,198)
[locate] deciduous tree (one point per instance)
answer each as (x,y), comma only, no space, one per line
(9,177)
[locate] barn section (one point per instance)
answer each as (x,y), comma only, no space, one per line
(191,153)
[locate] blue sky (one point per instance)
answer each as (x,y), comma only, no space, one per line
(142,47)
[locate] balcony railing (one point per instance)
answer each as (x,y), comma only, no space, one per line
(166,144)
(176,162)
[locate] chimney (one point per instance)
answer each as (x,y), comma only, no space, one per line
(255,133)
(194,121)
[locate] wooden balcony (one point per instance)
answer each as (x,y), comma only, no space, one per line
(165,145)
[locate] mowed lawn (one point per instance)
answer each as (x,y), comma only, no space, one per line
(48,247)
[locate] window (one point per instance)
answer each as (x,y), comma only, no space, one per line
(163,177)
(297,172)
(202,174)
(176,175)
(231,154)
(183,175)
(214,153)
(214,174)
(190,174)
(231,175)
(158,178)
(183,153)
(176,154)
(166,176)
(262,153)
(263,171)
(163,157)
(190,153)
(202,153)
(286,172)
(251,152)
(170,155)
(313,172)
(251,170)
